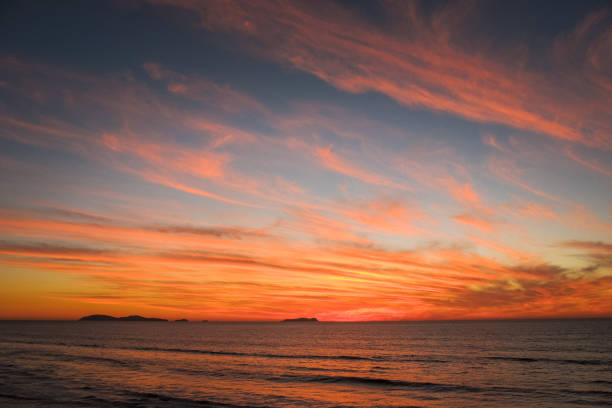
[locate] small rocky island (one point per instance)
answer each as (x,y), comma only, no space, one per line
(181,320)
(132,318)
(302,319)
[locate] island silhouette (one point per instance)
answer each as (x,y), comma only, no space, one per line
(302,319)
(137,318)
(132,318)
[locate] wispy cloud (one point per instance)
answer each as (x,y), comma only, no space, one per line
(431,69)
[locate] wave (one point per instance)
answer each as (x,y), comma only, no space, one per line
(550,360)
(428,386)
(416,359)
(18,397)
(149,398)
(295,356)
(71,357)
(96,359)
(265,355)
(592,392)
(404,358)
(582,402)
(130,399)
(217,352)
(373,381)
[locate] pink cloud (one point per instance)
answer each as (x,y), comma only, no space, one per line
(429,70)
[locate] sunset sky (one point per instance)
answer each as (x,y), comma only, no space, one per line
(349,160)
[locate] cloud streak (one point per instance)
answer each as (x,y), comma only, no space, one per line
(429,70)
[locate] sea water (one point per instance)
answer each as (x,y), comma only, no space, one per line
(537,363)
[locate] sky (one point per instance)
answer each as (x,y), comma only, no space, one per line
(347,160)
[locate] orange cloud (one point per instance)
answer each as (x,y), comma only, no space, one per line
(592,165)
(507,170)
(535,210)
(598,253)
(203,90)
(580,217)
(334,162)
(462,193)
(589,245)
(386,215)
(140,147)
(415,62)
(205,272)
(320,227)
(480,223)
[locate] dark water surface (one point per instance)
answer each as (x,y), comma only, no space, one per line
(553,363)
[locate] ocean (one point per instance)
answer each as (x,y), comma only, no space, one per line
(536,363)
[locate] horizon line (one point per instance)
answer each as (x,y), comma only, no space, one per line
(332,321)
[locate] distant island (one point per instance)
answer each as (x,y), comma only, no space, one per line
(181,320)
(302,319)
(132,318)
(98,317)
